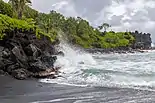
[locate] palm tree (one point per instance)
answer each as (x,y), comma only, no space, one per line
(105,26)
(44,22)
(18,6)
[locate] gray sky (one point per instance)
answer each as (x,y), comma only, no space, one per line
(123,15)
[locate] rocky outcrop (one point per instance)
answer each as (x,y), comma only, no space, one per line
(142,40)
(119,50)
(22,55)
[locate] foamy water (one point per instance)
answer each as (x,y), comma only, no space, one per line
(106,70)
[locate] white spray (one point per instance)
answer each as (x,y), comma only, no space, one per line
(73,56)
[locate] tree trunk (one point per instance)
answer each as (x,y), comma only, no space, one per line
(105,29)
(47,30)
(20,15)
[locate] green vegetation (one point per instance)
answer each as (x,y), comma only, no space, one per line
(105,26)
(19,6)
(5,8)
(77,30)
(80,32)
(119,39)
(30,13)
(10,24)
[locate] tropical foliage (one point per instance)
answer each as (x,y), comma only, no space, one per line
(77,30)
(30,13)
(105,26)
(8,24)
(5,8)
(19,6)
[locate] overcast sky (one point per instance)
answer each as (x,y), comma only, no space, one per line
(123,15)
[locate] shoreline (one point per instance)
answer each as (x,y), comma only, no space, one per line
(33,91)
(119,51)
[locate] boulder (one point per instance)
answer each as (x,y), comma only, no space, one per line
(1,48)
(48,73)
(60,53)
(11,43)
(2,72)
(20,74)
(48,60)
(45,74)
(6,53)
(42,64)
(4,63)
(20,56)
(12,67)
(32,50)
(37,66)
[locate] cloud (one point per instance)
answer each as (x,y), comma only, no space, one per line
(6,0)
(60,5)
(130,15)
(121,14)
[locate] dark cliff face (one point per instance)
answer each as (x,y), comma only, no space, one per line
(22,55)
(142,40)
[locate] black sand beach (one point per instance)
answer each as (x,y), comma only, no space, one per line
(31,91)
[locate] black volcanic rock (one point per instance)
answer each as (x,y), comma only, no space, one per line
(20,73)
(142,40)
(22,55)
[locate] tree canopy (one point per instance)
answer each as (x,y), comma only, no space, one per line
(105,26)
(77,30)
(19,6)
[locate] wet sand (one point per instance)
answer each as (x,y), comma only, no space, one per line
(31,91)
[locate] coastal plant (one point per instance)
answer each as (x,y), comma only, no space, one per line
(19,6)
(10,24)
(30,13)
(77,30)
(2,36)
(105,26)
(80,32)
(5,8)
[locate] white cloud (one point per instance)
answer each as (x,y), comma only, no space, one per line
(116,9)
(149,25)
(6,0)
(133,15)
(60,5)
(65,7)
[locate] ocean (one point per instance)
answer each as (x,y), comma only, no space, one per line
(89,78)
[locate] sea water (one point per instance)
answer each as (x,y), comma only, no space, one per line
(79,68)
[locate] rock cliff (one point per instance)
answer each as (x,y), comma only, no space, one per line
(23,55)
(142,40)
